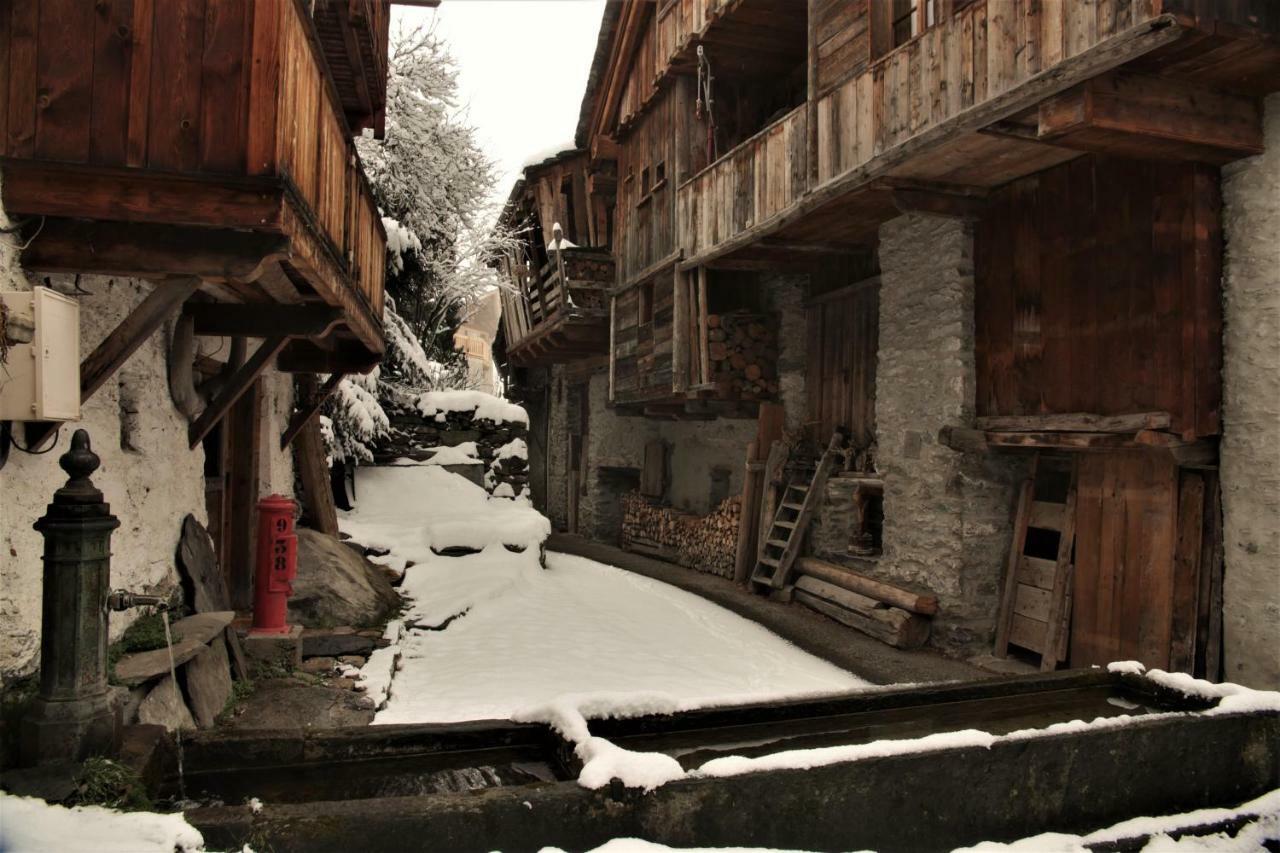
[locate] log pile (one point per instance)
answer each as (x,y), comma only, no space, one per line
(891,614)
(702,542)
(743,351)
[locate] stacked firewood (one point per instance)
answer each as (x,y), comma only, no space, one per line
(743,350)
(703,542)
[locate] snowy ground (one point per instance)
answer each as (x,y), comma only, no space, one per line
(575,634)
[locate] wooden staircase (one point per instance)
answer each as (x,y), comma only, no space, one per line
(780,543)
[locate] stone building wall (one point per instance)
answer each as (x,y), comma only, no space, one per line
(149,475)
(947,515)
(1250,453)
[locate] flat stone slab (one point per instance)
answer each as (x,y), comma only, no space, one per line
(209,683)
(165,706)
(192,635)
(332,645)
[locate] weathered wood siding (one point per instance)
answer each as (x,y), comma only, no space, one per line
(843,332)
(644,217)
(1098,291)
(842,30)
(207,87)
(682,21)
(642,368)
(755,181)
(982,51)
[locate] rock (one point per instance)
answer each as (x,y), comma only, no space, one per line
(343,630)
(190,636)
(343,683)
(318,666)
(286,704)
(209,683)
(336,586)
(198,564)
(164,706)
(351,660)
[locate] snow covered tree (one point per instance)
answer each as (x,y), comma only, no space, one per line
(431,181)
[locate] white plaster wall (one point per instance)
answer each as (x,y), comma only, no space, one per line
(275,468)
(150,487)
(1251,413)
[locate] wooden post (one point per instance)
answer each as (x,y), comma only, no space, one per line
(680,333)
(743,564)
(236,385)
(704,353)
(317,493)
(311,405)
(613,354)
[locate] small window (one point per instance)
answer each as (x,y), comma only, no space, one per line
(659,174)
(645,316)
(645,186)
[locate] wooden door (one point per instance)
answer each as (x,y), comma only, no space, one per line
(243,427)
(843,337)
(1123,601)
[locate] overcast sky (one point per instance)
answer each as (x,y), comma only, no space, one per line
(523,66)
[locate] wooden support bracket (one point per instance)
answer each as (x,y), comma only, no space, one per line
(235,387)
(252,321)
(307,411)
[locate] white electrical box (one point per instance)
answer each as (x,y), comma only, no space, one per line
(40,380)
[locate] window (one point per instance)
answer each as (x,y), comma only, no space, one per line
(659,174)
(896,22)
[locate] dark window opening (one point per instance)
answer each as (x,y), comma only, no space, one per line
(645,316)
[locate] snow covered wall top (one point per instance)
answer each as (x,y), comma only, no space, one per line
(481,406)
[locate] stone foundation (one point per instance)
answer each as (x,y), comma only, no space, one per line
(416,437)
(947,515)
(1250,455)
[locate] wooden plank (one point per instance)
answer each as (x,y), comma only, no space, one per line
(1047,516)
(223,104)
(1035,571)
(846,578)
(173,134)
(747,534)
(243,431)
(23,74)
(112,52)
(1213,543)
(1075,422)
(6,24)
(142,37)
(264,85)
(1027,633)
(1055,644)
(1004,626)
(1033,603)
(64,80)
(1186,571)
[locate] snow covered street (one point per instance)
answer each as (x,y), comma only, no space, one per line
(578,632)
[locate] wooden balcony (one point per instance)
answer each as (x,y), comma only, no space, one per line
(562,313)
(991,93)
(165,140)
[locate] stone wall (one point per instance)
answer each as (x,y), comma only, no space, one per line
(416,437)
(1251,413)
(947,515)
(149,475)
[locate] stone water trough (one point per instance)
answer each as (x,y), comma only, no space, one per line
(503,786)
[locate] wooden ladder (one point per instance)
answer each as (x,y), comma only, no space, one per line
(1035,611)
(780,544)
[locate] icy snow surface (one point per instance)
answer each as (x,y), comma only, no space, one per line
(28,824)
(486,406)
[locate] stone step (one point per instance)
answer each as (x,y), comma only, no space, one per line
(191,635)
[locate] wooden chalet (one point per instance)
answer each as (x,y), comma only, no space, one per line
(206,147)
(1077,148)
(556,305)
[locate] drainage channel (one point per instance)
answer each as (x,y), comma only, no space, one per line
(498,785)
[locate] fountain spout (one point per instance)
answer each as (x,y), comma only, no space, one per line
(120,599)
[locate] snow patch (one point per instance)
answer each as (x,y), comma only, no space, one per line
(435,404)
(377,673)
(542,155)
(30,824)
(513,449)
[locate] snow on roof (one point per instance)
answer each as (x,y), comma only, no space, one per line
(485,406)
(541,156)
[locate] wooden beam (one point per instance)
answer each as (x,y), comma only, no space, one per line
(132,333)
(1147,116)
(254,321)
(239,382)
(354,59)
(846,578)
(1075,422)
(308,410)
(307,356)
(149,251)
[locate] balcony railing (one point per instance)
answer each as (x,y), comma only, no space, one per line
(222,132)
(562,312)
(760,178)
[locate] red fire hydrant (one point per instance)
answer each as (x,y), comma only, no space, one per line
(277,565)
